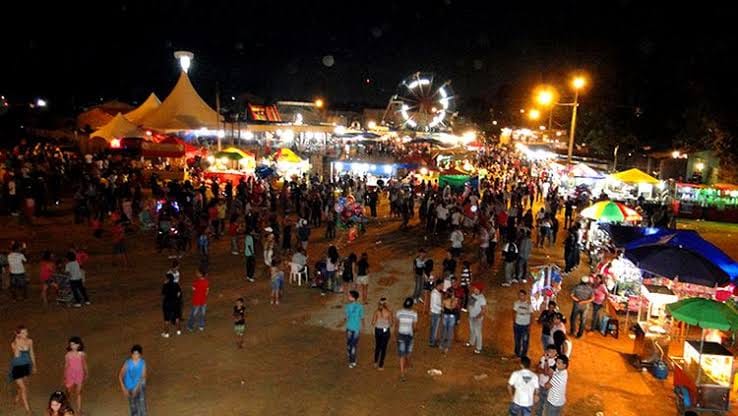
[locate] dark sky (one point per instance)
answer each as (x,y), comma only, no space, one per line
(640,54)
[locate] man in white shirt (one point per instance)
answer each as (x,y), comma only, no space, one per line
(17,269)
(457,241)
(406,320)
(441,218)
(436,307)
(477,307)
(557,388)
(523,389)
(521,326)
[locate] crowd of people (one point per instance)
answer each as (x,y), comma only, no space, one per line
(472,224)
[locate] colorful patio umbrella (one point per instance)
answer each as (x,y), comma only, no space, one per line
(678,262)
(609,211)
(705,313)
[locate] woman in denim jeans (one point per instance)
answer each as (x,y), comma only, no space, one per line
(449,319)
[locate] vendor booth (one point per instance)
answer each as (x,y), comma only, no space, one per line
(231,164)
(703,375)
(630,184)
(288,164)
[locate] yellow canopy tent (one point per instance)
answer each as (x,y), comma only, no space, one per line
(634,176)
(286,155)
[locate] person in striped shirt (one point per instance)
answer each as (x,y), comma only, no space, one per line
(556,387)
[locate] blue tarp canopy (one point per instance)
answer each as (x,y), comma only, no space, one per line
(683,254)
(621,235)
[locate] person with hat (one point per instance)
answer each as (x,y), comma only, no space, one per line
(581,295)
(477,307)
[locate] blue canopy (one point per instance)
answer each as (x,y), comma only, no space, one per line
(692,242)
(624,234)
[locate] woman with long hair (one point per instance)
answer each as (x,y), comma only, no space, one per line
(58,404)
(331,265)
(349,271)
(75,369)
(382,322)
(449,319)
(22,365)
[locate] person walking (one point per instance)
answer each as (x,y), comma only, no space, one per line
(171,304)
(510,255)
(382,321)
(16,266)
(75,369)
(250,254)
(546,367)
(450,308)
(22,365)
(419,272)
(354,312)
(581,295)
(600,295)
(521,325)
(557,388)
(525,247)
(406,320)
(477,308)
(435,308)
(200,290)
(132,379)
(362,276)
(546,320)
(331,265)
(523,388)
(76,280)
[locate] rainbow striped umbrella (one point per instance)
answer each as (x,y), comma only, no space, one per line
(609,211)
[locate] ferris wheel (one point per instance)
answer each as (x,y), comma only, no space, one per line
(421,103)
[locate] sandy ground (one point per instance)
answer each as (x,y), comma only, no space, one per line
(294,361)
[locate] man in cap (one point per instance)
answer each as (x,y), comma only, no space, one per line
(581,295)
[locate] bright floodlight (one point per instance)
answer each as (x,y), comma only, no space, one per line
(534,114)
(185,59)
(578,82)
(40,102)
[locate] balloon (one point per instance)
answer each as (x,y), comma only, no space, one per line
(338,207)
(342,200)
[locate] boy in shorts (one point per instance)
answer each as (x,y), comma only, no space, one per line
(239,321)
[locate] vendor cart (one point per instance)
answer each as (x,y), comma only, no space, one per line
(704,374)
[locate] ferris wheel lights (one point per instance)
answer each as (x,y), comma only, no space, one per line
(442,92)
(415,83)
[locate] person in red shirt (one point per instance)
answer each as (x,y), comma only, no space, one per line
(200,290)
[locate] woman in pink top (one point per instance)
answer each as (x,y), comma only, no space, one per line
(75,369)
(600,296)
(46,271)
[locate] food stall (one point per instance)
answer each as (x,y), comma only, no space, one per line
(230,164)
(718,202)
(630,184)
(652,330)
(288,164)
(704,372)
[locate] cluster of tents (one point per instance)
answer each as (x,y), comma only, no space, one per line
(182,110)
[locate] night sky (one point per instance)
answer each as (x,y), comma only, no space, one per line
(647,59)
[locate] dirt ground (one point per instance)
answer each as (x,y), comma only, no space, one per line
(294,359)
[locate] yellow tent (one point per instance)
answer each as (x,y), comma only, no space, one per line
(118,128)
(286,155)
(634,176)
(143,110)
(183,109)
(239,152)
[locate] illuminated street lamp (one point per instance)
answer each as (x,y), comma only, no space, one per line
(547,97)
(577,83)
(185,59)
(319,103)
(534,114)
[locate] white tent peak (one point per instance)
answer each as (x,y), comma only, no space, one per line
(183,109)
(118,127)
(143,110)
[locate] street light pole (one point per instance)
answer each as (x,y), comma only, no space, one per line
(573,126)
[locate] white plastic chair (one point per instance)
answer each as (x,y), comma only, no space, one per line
(296,273)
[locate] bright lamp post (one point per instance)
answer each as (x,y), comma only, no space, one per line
(546,98)
(534,114)
(577,83)
(185,59)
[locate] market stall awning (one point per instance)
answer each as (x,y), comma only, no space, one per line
(241,153)
(634,176)
(610,211)
(151,149)
(678,262)
(705,313)
(581,170)
(691,240)
(624,234)
(286,155)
